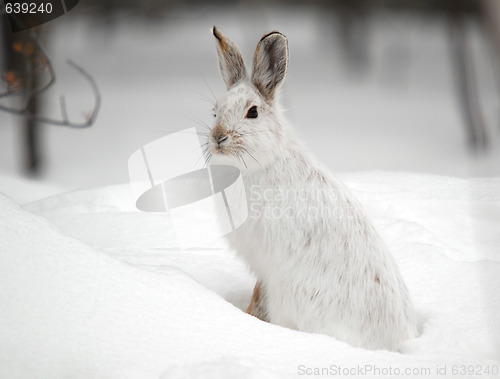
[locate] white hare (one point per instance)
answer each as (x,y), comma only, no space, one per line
(320,264)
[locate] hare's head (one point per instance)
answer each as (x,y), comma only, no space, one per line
(247,130)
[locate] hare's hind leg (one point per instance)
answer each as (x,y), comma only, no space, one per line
(258,306)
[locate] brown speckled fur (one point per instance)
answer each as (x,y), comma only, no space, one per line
(257,307)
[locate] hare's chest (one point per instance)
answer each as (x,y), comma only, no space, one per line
(268,236)
(273,204)
(260,242)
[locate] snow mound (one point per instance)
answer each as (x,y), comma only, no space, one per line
(91,288)
(25,189)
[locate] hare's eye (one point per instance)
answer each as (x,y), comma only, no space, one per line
(252,112)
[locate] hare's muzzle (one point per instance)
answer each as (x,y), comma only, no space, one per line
(219,135)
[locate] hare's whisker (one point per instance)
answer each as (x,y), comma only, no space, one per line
(205,98)
(207,159)
(243,159)
(196,120)
(251,155)
(208,86)
(201,156)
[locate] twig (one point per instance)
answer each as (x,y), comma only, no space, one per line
(65,121)
(62,103)
(48,63)
(29,93)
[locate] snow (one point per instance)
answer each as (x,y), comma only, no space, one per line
(92,288)
(25,189)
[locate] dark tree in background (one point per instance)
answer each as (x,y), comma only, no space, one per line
(28,73)
(19,72)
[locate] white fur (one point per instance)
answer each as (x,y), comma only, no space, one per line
(325,273)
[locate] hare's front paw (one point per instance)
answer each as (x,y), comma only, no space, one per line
(258,306)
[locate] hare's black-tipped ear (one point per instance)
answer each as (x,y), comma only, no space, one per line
(231,62)
(270,63)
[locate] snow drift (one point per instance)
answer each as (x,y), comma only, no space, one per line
(91,288)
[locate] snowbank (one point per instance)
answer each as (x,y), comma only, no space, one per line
(90,288)
(25,189)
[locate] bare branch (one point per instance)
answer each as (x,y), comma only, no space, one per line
(95,90)
(64,114)
(48,65)
(28,93)
(65,121)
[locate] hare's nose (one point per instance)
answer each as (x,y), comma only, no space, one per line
(222,140)
(219,134)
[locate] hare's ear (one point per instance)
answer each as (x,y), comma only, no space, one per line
(231,62)
(270,63)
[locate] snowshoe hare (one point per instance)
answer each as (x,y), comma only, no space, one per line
(320,264)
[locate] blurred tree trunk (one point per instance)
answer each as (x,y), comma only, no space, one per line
(23,64)
(466,86)
(31,131)
(491,10)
